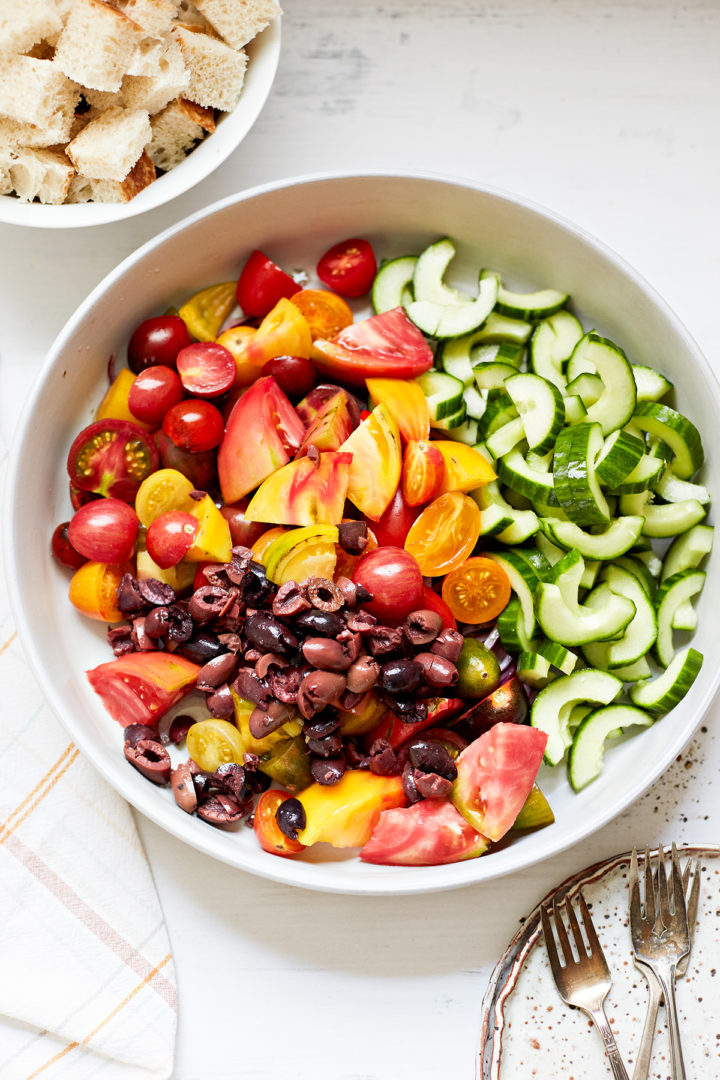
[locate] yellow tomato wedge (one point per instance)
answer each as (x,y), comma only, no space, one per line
(206,311)
(263,542)
(406,402)
(363,717)
(262,747)
(114,406)
(166,489)
(376,464)
(236,340)
(212,541)
(301,553)
(465,467)
(326,312)
(345,814)
(212,743)
(303,492)
(283,332)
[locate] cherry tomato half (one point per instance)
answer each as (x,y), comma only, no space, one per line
(295,375)
(155,390)
(348,267)
(445,533)
(393,577)
(93,591)
(206,369)
(326,313)
(166,489)
(261,284)
(170,537)
(194,425)
(477,591)
(212,743)
(105,530)
(62,549)
(270,836)
(111,457)
(157,341)
(422,472)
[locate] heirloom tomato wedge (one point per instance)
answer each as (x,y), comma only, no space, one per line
(428,833)
(384,345)
(206,311)
(465,467)
(303,492)
(283,332)
(376,463)
(422,472)
(346,813)
(331,426)
(140,688)
(445,533)
(261,284)
(407,404)
(116,403)
(111,457)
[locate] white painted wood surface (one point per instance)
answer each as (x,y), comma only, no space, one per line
(604,111)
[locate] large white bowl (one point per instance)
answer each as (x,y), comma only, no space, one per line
(263,55)
(295,221)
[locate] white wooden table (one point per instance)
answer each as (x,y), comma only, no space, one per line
(605,111)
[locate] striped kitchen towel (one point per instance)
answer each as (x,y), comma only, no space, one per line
(87,986)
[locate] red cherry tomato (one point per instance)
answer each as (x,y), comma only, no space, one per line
(434,602)
(157,341)
(62,549)
(200,468)
(295,375)
(348,267)
(261,284)
(206,369)
(394,579)
(111,457)
(155,390)
(170,537)
(194,425)
(395,523)
(242,531)
(105,531)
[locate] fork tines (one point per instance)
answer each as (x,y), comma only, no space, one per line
(592,949)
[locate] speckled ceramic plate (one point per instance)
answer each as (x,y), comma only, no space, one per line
(528,1033)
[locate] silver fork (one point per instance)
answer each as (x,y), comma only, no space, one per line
(691,888)
(584,981)
(660,936)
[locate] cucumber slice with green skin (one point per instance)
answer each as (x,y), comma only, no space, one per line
(677,590)
(645,475)
(430,268)
(498,354)
(616,404)
(520,502)
(587,387)
(534,669)
(466,433)
(513,469)
(638,569)
(633,672)
(688,551)
(444,394)
(505,438)
(475,403)
(498,517)
(576,484)
(685,618)
(392,286)
(662,694)
(498,412)
(650,384)
(452,320)
(552,708)
(550,551)
(673,490)
(671,519)
(575,411)
(570,623)
(674,429)
(587,753)
(637,503)
(640,634)
(459,356)
(492,376)
(521,529)
(502,330)
(537,561)
(523,582)
(590,573)
(541,408)
(534,305)
(613,541)
(456,364)
(620,454)
(449,422)
(557,655)
(579,363)
(511,629)
(551,344)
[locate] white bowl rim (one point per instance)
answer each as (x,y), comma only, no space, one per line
(232,129)
(286,871)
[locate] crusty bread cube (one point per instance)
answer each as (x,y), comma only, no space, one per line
(110,145)
(238,21)
(58,131)
(176,130)
(153,92)
(97,45)
(140,176)
(188,14)
(36,91)
(216,71)
(24,23)
(154,16)
(41,174)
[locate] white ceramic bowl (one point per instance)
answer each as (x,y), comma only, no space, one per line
(295,221)
(263,55)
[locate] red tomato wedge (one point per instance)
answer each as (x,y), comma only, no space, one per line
(331,426)
(436,603)
(387,344)
(111,457)
(429,833)
(140,688)
(261,284)
(262,430)
(495,776)
(407,404)
(303,492)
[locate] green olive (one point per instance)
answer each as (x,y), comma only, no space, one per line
(478,670)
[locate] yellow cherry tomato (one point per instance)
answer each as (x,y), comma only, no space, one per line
(444,534)
(93,590)
(114,406)
(166,489)
(236,340)
(212,743)
(206,311)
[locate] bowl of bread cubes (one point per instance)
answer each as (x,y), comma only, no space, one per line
(109,108)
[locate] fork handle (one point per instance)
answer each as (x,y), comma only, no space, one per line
(611,1049)
(666,978)
(642,1064)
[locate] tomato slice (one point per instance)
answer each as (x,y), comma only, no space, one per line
(270,836)
(384,345)
(331,426)
(346,813)
(212,743)
(406,402)
(477,591)
(495,776)
(465,467)
(303,492)
(326,313)
(376,463)
(206,369)
(93,591)
(140,688)
(392,528)
(111,457)
(396,731)
(429,833)
(422,472)
(261,284)
(348,267)
(444,534)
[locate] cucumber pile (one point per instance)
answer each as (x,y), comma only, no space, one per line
(592,466)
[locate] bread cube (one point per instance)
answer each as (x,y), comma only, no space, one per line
(110,145)
(36,92)
(176,130)
(97,45)
(57,132)
(153,92)
(216,71)
(154,16)
(238,21)
(140,176)
(41,174)
(25,23)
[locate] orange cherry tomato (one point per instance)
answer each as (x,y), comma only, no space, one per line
(477,591)
(267,830)
(444,534)
(93,590)
(326,313)
(422,472)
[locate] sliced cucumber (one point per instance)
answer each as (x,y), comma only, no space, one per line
(466,433)
(616,404)
(501,330)
(671,519)
(585,760)
(552,343)
(534,669)
(505,438)
(492,376)
(459,356)
(498,354)
(535,305)
(557,655)
(515,471)
(587,387)
(673,490)
(620,454)
(451,320)
(576,484)
(430,268)
(688,551)
(537,560)
(498,517)
(662,694)
(449,423)
(550,551)
(640,634)
(570,623)
(552,708)
(475,403)
(676,590)
(575,411)
(685,618)
(633,672)
(649,558)
(651,385)
(444,394)
(645,475)
(498,412)
(674,429)
(613,541)
(511,628)
(392,286)
(639,569)
(523,582)
(541,408)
